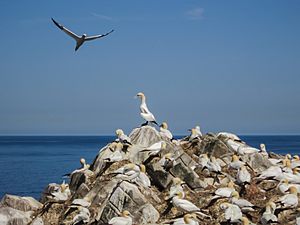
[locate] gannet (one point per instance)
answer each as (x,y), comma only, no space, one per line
(244,150)
(63,193)
(232,212)
(79,40)
(123,138)
(244,204)
(198,131)
(145,112)
(142,178)
(84,202)
(235,163)
(164,132)
(155,148)
(268,216)
(117,155)
(203,160)
(263,150)
(176,187)
(190,219)
(229,136)
(225,191)
(84,167)
(243,176)
(289,200)
(194,134)
(129,171)
(273,172)
(124,219)
(283,186)
(167,161)
(293,177)
(185,205)
(82,216)
(295,162)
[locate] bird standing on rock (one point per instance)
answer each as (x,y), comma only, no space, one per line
(145,112)
(164,132)
(79,40)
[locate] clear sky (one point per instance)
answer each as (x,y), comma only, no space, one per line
(225,65)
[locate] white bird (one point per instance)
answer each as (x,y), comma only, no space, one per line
(268,216)
(244,150)
(117,155)
(243,176)
(124,219)
(295,161)
(244,204)
(82,216)
(84,167)
(164,132)
(79,40)
(232,212)
(84,202)
(185,205)
(289,200)
(155,148)
(213,165)
(145,112)
(198,131)
(236,163)
(263,150)
(167,161)
(63,193)
(225,191)
(203,160)
(123,138)
(129,172)
(142,179)
(229,136)
(176,187)
(194,134)
(190,219)
(273,172)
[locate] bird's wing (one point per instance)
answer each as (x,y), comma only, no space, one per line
(68,32)
(89,38)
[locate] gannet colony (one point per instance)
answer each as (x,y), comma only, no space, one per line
(148,177)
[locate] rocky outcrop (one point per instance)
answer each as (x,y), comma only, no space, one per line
(102,193)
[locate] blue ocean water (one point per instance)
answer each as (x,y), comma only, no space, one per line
(29,163)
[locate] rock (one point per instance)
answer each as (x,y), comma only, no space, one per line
(144,136)
(257,161)
(126,196)
(20,203)
(10,216)
(37,221)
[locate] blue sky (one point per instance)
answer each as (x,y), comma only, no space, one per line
(225,65)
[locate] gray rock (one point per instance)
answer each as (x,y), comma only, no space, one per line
(257,161)
(20,203)
(144,136)
(127,196)
(10,216)
(37,221)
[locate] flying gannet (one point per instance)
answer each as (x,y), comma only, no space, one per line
(79,40)
(145,112)
(164,132)
(124,219)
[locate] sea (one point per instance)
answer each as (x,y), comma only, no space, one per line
(29,163)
